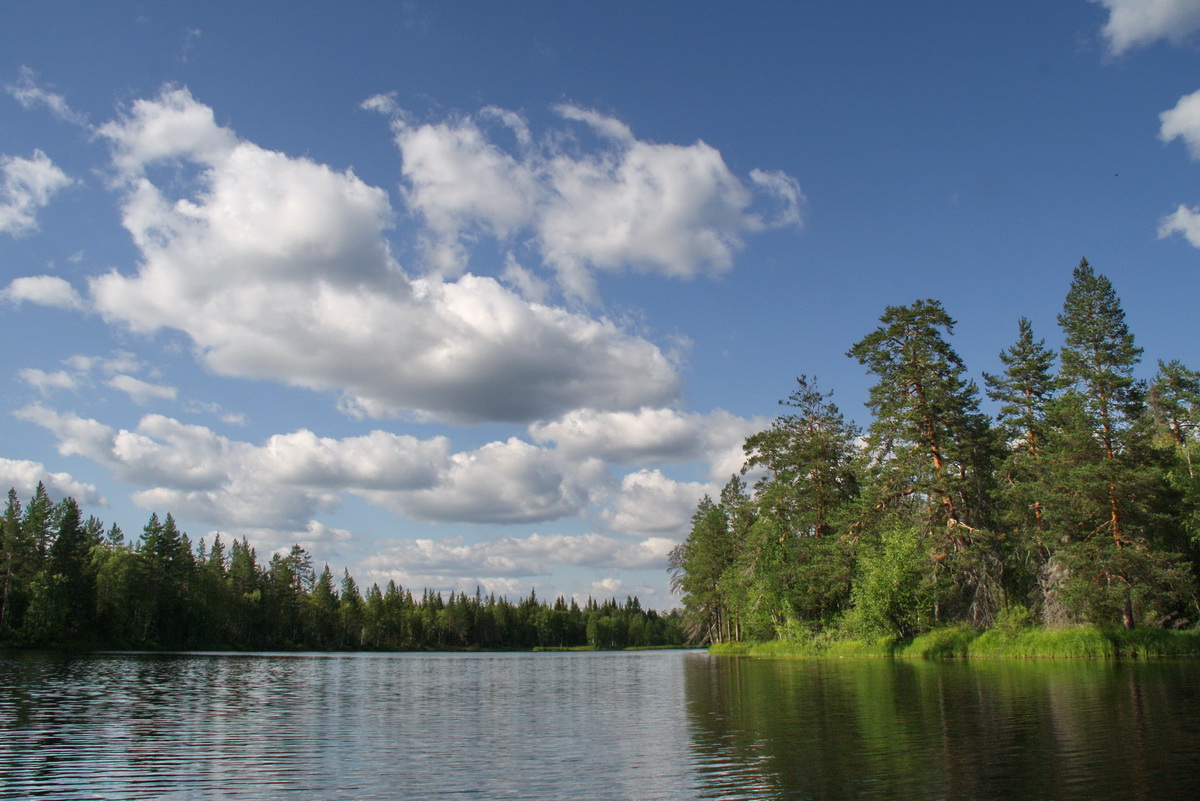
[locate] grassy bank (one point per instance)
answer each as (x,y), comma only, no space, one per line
(1088,642)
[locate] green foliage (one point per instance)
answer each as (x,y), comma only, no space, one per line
(90,590)
(1105,581)
(1079,504)
(895,590)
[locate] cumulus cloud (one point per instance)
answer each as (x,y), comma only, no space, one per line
(282,483)
(535,555)
(502,482)
(23,476)
(1134,23)
(278,268)
(1185,221)
(26,185)
(192,471)
(650,503)
(45,290)
(662,436)
(1183,122)
(675,210)
(374,461)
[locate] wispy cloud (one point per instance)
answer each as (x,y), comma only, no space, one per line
(30,94)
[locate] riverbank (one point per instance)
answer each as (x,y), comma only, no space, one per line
(1075,642)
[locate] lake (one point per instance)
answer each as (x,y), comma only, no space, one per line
(625,725)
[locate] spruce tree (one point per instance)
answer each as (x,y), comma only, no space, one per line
(1112,503)
(17,565)
(699,566)
(800,562)
(1023,390)
(1098,360)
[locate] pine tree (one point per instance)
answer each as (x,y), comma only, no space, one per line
(1174,401)
(809,458)
(932,454)
(928,440)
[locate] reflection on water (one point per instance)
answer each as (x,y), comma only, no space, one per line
(920,730)
(658,725)
(364,726)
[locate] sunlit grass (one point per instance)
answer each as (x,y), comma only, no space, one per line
(1074,642)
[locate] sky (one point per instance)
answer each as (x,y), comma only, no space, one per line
(469,294)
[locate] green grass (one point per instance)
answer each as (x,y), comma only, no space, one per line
(1075,642)
(947,643)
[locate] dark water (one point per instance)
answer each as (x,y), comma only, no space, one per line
(648,725)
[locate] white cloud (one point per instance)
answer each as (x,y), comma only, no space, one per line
(502,482)
(461,184)
(45,290)
(535,555)
(675,210)
(378,460)
(282,483)
(278,268)
(23,476)
(216,410)
(171,126)
(650,503)
(27,185)
(142,392)
(1185,221)
(1133,23)
(27,92)
(1183,122)
(44,382)
(662,436)
(189,470)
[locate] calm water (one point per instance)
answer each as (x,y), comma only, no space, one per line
(648,725)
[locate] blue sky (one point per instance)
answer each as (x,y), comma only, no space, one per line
(490,294)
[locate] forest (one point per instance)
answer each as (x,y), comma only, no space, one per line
(67,582)
(1078,502)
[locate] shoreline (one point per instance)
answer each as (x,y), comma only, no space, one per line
(1074,642)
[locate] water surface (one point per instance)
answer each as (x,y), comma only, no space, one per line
(638,725)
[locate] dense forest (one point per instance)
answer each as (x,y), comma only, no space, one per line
(67,582)
(1079,502)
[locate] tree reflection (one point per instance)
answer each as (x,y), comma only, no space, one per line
(874,728)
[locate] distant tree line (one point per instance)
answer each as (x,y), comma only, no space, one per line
(1078,503)
(66,581)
